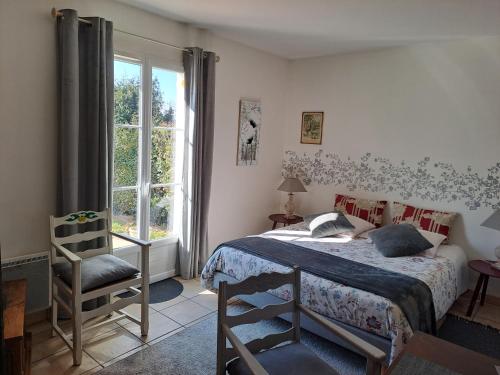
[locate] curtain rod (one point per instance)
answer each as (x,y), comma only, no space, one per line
(55,13)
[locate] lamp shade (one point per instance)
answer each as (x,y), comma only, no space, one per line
(493,222)
(292,185)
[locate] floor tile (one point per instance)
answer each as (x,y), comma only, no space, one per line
(185,312)
(125,355)
(207,299)
(38,327)
(135,310)
(159,325)
(194,322)
(108,346)
(45,345)
(192,288)
(488,311)
(161,338)
(68,328)
(163,305)
(62,363)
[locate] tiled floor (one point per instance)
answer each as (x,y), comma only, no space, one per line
(489,314)
(110,343)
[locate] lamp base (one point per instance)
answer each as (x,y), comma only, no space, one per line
(290,207)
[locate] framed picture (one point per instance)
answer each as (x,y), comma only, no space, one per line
(311,131)
(249,125)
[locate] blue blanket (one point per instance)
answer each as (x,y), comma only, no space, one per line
(413,296)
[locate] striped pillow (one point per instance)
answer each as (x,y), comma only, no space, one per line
(369,210)
(425,219)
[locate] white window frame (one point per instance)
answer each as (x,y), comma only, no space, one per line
(145,126)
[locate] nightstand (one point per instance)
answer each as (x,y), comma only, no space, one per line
(280,218)
(485,271)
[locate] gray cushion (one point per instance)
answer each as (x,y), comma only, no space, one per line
(397,240)
(97,271)
(328,224)
(292,359)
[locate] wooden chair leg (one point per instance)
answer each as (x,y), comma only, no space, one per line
(77,336)
(145,292)
(77,314)
(54,309)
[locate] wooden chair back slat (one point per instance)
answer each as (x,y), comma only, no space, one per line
(93,252)
(251,285)
(80,217)
(270,341)
(256,315)
(80,237)
(258,284)
(264,343)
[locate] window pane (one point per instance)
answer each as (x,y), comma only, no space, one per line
(126,156)
(162,156)
(164,97)
(160,213)
(127,92)
(125,213)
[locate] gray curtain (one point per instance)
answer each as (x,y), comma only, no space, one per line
(199,68)
(85,70)
(85,121)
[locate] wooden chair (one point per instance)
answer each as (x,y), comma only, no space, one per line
(263,356)
(82,276)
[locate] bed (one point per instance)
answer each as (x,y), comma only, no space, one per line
(370,316)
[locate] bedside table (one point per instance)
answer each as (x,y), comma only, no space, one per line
(485,271)
(280,218)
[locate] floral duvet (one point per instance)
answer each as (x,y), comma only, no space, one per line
(356,307)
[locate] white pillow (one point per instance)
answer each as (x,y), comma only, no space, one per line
(435,239)
(360,225)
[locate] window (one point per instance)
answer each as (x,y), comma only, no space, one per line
(148,149)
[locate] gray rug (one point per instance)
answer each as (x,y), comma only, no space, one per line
(193,350)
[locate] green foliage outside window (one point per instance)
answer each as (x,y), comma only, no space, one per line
(126,140)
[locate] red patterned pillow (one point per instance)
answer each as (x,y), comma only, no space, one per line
(425,219)
(365,209)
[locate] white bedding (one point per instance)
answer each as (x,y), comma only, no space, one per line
(445,275)
(457,255)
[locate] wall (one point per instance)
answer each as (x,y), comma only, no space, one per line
(242,197)
(405,104)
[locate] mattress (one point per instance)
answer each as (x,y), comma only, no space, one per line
(445,275)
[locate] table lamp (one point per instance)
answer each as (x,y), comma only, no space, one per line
(493,222)
(291,185)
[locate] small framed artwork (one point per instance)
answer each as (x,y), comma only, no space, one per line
(249,132)
(311,131)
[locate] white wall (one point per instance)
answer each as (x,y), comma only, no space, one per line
(435,100)
(242,197)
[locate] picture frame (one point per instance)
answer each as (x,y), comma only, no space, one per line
(249,128)
(311,130)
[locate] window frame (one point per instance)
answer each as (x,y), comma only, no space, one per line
(145,127)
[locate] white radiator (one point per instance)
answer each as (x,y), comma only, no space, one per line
(35,269)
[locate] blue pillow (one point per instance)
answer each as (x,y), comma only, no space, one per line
(328,224)
(399,240)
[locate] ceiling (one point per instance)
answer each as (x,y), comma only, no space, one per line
(309,28)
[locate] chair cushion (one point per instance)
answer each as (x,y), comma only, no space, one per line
(97,271)
(292,359)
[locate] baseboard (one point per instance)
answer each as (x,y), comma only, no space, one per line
(163,275)
(37,317)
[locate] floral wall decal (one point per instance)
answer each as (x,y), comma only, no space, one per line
(428,180)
